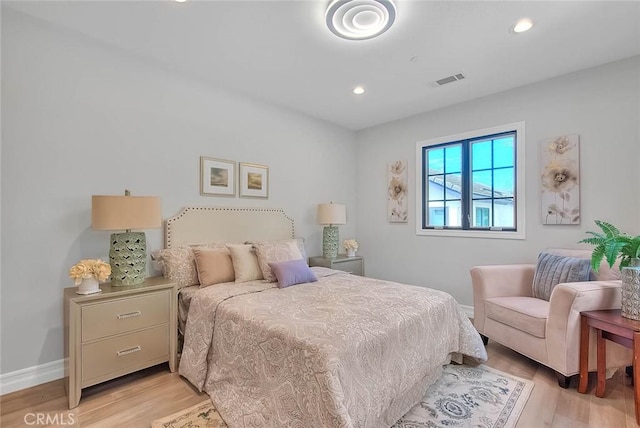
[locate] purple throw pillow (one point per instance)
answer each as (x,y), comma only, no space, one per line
(292,272)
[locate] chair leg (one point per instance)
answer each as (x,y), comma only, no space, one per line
(485,339)
(563,380)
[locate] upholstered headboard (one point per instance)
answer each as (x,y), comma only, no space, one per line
(226,225)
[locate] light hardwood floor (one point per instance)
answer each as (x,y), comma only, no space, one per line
(137,400)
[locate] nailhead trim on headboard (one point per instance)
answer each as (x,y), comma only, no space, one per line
(186,210)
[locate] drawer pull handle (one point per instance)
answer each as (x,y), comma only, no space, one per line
(129,315)
(129,351)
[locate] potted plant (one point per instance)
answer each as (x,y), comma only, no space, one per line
(612,244)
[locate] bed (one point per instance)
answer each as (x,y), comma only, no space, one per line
(343,351)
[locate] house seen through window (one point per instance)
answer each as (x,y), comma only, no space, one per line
(471,183)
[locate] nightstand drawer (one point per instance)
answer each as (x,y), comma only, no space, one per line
(124,315)
(124,354)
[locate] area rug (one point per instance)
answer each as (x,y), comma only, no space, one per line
(202,415)
(464,396)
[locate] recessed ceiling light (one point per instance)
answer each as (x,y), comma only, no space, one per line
(360,19)
(358,90)
(180,1)
(524,24)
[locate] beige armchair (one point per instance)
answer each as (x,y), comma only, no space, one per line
(548,332)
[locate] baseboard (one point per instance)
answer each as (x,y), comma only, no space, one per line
(31,376)
(467,310)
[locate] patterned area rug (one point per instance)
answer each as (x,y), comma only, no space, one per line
(467,396)
(464,396)
(201,415)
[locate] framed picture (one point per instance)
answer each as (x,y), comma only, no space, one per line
(254,181)
(397,199)
(560,179)
(217,177)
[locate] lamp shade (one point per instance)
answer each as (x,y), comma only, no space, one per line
(125,212)
(332,214)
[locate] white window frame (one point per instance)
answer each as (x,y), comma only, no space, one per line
(520,233)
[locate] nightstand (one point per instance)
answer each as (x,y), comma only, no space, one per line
(354,265)
(118,331)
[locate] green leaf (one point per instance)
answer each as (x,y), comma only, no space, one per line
(592,241)
(596,257)
(612,250)
(608,229)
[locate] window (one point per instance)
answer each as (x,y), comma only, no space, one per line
(472,184)
(482,217)
(437,215)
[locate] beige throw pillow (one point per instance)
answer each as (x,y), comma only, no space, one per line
(245,262)
(214,266)
(178,264)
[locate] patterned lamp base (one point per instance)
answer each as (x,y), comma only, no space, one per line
(330,242)
(128,258)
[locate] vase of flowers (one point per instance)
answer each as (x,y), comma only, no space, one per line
(351,246)
(87,274)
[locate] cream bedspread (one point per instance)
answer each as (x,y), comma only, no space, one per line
(346,351)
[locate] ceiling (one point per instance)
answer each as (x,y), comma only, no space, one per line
(281,51)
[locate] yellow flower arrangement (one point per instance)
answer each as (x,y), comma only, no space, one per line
(350,244)
(88,268)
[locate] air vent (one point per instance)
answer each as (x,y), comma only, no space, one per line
(449,79)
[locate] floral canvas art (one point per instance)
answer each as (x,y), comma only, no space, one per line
(397,192)
(560,180)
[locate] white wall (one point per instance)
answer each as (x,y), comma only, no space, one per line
(599,104)
(80,119)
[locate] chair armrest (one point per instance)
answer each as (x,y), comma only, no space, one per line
(498,281)
(563,324)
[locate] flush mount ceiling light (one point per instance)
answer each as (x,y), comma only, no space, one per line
(358,90)
(524,24)
(360,19)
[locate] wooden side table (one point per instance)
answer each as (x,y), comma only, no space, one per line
(609,325)
(354,265)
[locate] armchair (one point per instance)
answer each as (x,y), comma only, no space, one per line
(545,331)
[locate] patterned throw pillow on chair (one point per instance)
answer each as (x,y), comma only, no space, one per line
(552,270)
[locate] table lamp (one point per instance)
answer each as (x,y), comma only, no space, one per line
(128,251)
(331,214)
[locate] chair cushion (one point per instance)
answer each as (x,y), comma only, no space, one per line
(552,270)
(526,314)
